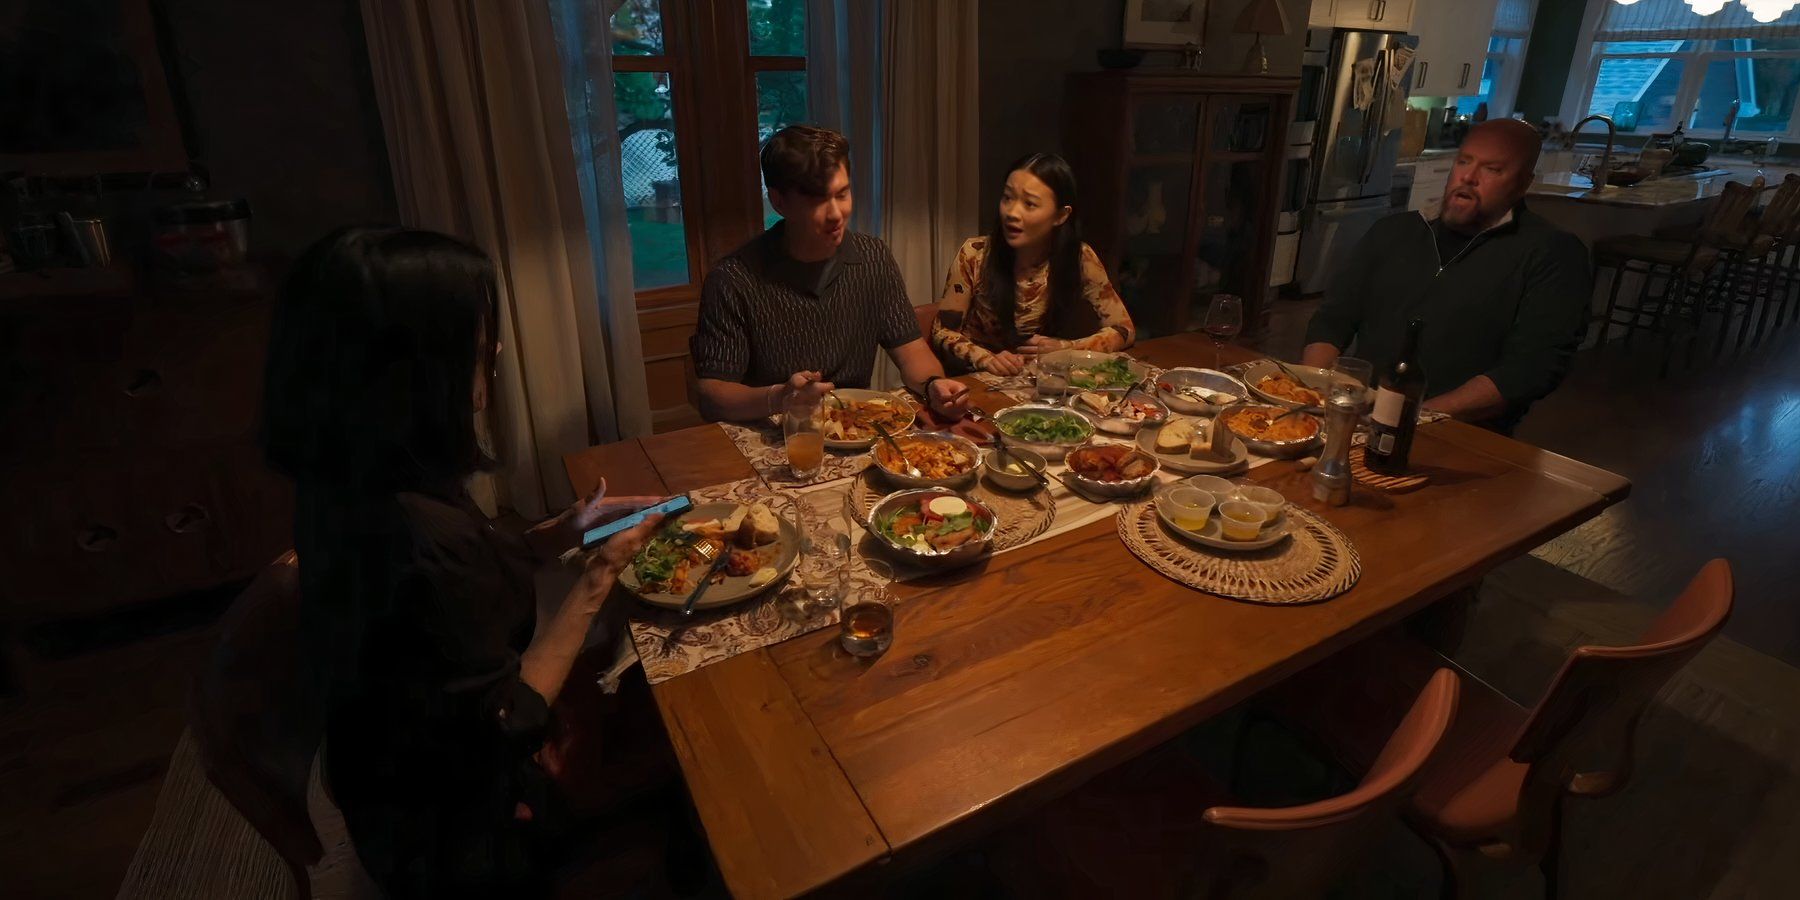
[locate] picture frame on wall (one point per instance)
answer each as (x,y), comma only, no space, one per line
(1164,23)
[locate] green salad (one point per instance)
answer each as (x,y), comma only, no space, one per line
(1113,372)
(657,564)
(1047,428)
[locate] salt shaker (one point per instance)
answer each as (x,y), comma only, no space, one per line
(1331,477)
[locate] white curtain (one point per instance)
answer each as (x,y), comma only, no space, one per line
(930,137)
(479,135)
(1674,20)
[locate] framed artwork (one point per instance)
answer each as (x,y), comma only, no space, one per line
(1164,23)
(83,90)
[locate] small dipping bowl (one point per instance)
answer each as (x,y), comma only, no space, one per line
(1188,507)
(1221,489)
(1240,520)
(1268,500)
(1019,481)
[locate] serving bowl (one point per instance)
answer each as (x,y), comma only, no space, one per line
(961,555)
(1318,379)
(1124,425)
(881,451)
(1057,362)
(1170,384)
(1125,488)
(1050,450)
(1287,449)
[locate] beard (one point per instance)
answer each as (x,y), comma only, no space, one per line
(1463,217)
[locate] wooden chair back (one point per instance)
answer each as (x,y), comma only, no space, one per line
(1301,851)
(257,720)
(927,316)
(1781,217)
(1579,738)
(1727,225)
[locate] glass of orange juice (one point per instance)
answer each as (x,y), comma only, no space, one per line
(805,439)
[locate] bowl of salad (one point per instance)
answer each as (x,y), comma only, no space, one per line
(1088,370)
(1046,430)
(933,527)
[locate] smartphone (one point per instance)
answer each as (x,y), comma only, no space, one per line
(598,534)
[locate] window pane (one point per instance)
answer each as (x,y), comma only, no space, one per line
(777,27)
(780,102)
(1764,89)
(651,185)
(1647,46)
(1650,82)
(637,28)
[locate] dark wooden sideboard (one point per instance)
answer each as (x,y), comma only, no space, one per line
(129,468)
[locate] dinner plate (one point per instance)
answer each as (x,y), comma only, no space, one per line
(1318,379)
(1272,533)
(860,395)
(734,588)
(1187,465)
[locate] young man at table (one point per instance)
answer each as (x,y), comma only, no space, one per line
(1504,294)
(801,308)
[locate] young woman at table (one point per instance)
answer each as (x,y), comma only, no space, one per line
(418,614)
(1030,286)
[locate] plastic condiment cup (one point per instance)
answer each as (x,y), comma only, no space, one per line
(1188,507)
(1240,520)
(1220,488)
(1268,500)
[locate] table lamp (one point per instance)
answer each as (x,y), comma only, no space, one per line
(1260,17)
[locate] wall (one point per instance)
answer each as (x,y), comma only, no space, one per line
(1548,58)
(1027,50)
(281,110)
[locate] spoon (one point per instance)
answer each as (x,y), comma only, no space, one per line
(911,470)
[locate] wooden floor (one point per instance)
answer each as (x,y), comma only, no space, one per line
(1714,456)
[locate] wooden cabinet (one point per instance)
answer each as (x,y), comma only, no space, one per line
(1180,177)
(1323,14)
(131,468)
(1374,15)
(1453,42)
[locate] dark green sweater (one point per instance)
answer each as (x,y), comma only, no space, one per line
(1512,305)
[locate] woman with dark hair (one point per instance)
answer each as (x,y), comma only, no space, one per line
(1030,286)
(418,615)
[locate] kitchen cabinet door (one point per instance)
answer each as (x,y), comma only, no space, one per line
(1453,41)
(1377,15)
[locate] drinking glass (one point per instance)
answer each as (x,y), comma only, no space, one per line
(1359,370)
(1224,319)
(866,621)
(825,559)
(804,436)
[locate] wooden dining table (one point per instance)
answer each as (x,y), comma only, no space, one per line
(1012,681)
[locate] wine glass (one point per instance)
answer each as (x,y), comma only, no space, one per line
(1224,319)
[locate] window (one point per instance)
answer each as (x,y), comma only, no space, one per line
(682,71)
(1505,60)
(1658,63)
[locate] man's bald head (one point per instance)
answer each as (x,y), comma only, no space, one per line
(1494,168)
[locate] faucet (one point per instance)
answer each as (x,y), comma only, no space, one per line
(1605,168)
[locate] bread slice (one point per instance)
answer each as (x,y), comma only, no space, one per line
(759,527)
(1175,436)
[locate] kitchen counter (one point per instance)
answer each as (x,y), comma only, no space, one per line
(1655,193)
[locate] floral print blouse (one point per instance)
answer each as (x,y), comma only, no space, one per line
(968,328)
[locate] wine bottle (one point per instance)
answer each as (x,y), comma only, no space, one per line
(1400,390)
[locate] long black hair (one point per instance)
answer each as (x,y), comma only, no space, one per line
(372,360)
(1065,252)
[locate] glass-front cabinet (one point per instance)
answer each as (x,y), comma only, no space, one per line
(1179,182)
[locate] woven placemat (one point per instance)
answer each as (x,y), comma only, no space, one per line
(1392,484)
(1317,562)
(1022,516)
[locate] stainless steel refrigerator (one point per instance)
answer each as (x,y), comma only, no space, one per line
(1356,143)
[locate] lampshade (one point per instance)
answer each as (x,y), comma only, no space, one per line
(1262,17)
(1706,7)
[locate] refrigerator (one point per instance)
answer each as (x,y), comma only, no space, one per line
(1364,78)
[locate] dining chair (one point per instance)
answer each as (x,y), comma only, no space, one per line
(927,316)
(1499,786)
(1161,827)
(257,722)
(1695,273)
(1770,280)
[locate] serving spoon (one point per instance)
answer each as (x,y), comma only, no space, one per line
(911,470)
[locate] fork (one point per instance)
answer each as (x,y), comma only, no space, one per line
(715,558)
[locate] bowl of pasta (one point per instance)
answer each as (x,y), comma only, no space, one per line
(943,460)
(1267,432)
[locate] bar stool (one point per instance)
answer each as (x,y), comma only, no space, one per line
(1695,273)
(1772,276)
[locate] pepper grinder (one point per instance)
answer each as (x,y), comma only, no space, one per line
(1331,477)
